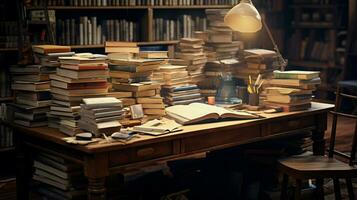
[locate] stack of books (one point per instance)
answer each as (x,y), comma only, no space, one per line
(181,95)
(56,178)
(101,115)
(47,55)
(31,85)
(214,70)
(292,90)
(153,107)
(257,61)
(175,84)
(220,44)
(191,52)
(81,76)
(131,79)
(121,49)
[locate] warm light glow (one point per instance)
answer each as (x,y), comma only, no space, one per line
(244,18)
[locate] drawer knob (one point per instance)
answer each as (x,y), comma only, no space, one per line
(145,152)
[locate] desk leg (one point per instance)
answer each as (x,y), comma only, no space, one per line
(96,188)
(23,168)
(319,133)
(96,170)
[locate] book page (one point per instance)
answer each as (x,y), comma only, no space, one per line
(191,111)
(222,111)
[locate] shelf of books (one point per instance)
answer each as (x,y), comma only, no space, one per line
(313,64)
(6,149)
(171,42)
(8,49)
(131,7)
(318,34)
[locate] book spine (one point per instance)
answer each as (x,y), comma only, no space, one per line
(94,30)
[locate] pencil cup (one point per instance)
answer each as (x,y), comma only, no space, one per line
(254,99)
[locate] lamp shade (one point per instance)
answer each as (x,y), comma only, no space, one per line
(244,18)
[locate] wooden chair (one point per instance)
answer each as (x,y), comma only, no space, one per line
(320,167)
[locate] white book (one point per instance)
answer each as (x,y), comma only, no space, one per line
(81,33)
(85,30)
(99,34)
(101,102)
(94,30)
(117,30)
(89,36)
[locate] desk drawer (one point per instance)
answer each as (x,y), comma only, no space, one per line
(141,153)
(290,124)
(217,140)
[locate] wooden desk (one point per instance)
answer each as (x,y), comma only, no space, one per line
(101,160)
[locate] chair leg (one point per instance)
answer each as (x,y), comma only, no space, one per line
(320,188)
(337,189)
(351,193)
(284,188)
(297,192)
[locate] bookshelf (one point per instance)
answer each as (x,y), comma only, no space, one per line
(317,33)
(139,22)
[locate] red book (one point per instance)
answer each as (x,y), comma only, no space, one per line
(79,86)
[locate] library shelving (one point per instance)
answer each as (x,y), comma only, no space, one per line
(317,31)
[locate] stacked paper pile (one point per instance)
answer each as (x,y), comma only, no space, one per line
(80,76)
(57,178)
(131,78)
(219,44)
(292,90)
(31,85)
(191,51)
(258,61)
(175,85)
(101,115)
(214,71)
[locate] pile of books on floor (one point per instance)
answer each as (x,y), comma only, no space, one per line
(257,61)
(175,84)
(31,85)
(191,52)
(57,178)
(214,71)
(131,79)
(292,90)
(47,55)
(80,76)
(101,115)
(219,44)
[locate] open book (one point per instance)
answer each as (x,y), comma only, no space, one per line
(198,112)
(158,127)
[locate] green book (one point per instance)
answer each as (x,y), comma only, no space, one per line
(296,74)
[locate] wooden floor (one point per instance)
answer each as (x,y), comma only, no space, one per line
(345,130)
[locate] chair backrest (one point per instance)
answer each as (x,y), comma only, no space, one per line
(337,112)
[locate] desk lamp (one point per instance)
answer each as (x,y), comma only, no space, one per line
(245,18)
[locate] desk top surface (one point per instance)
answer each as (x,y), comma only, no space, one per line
(53,135)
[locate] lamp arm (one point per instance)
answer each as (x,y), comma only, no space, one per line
(282,62)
